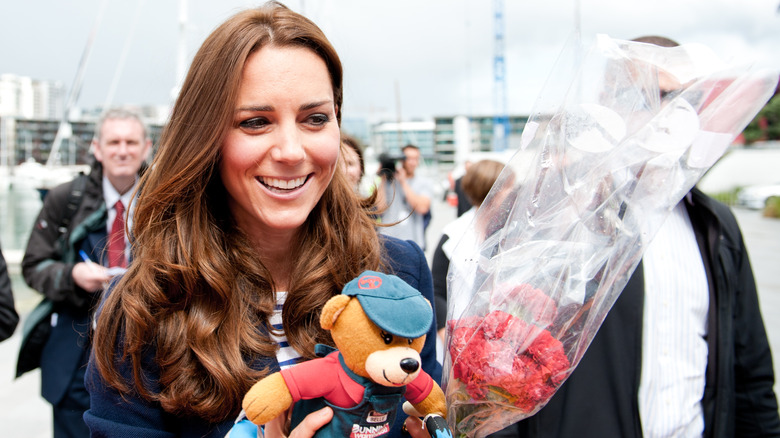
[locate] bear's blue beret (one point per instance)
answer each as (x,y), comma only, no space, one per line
(391,304)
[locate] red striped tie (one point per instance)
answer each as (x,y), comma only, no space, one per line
(116,241)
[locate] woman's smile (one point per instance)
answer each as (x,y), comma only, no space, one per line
(282,185)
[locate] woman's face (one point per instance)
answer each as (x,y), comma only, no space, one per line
(352,166)
(281,150)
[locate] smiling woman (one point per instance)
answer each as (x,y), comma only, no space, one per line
(279,155)
(245,226)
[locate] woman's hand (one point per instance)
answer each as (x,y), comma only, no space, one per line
(414,426)
(277,428)
(435,426)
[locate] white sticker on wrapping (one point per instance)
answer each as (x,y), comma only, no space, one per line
(594,128)
(707,148)
(673,129)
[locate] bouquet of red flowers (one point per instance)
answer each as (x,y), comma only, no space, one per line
(503,360)
(604,159)
(484,344)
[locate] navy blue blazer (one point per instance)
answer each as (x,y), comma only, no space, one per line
(60,359)
(117,415)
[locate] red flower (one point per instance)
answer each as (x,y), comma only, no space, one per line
(502,358)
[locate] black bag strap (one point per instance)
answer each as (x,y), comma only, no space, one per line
(74,200)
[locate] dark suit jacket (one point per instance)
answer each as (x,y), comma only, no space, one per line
(67,348)
(47,267)
(599,399)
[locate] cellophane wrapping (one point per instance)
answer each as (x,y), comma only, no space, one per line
(610,149)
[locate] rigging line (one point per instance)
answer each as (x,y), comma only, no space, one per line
(123,57)
(64,129)
(79,80)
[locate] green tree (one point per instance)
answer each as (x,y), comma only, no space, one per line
(766,124)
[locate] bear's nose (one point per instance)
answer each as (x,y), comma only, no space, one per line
(409,365)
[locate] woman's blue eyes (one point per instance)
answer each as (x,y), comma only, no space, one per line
(261,122)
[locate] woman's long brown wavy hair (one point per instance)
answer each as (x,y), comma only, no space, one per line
(195,303)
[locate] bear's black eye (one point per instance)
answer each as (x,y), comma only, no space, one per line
(410,340)
(387,337)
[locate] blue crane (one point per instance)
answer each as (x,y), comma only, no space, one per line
(501,127)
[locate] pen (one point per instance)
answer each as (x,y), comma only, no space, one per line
(85,257)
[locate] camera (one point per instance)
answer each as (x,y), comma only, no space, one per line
(387,165)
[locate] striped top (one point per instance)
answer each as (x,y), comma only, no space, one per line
(674,344)
(286,355)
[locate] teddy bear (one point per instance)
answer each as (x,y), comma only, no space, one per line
(378,324)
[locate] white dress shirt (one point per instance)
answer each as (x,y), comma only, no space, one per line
(674,345)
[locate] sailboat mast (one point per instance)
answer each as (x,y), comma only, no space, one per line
(181,52)
(64,129)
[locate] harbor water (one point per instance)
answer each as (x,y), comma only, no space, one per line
(19,206)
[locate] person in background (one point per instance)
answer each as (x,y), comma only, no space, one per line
(477,182)
(406,197)
(463,199)
(353,160)
(683,352)
(455,196)
(52,264)
(246,225)
(8,316)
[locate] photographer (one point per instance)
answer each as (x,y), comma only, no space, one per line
(404,196)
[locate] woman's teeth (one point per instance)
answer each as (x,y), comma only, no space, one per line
(282,184)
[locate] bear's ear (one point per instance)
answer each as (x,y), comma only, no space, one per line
(332,310)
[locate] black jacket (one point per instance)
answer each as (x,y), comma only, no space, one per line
(50,255)
(8,316)
(600,397)
(47,267)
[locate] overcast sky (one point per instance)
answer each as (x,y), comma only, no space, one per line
(438,54)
